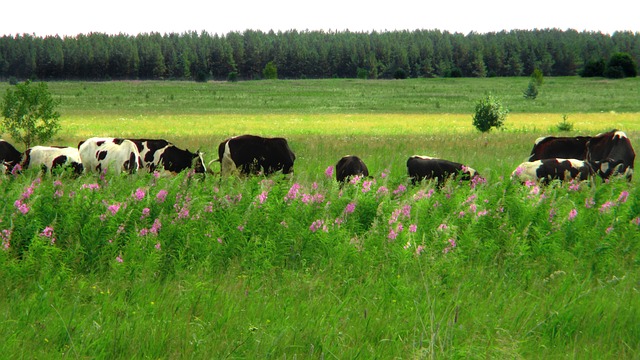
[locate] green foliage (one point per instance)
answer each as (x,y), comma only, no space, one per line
(362,73)
(594,68)
(489,113)
(621,63)
(13,80)
(29,113)
(564,125)
(532,91)
(399,73)
(270,71)
(232,77)
(537,77)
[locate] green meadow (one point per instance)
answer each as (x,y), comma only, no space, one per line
(155,266)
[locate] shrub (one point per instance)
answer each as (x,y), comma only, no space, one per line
(489,113)
(593,68)
(362,73)
(232,77)
(626,64)
(400,74)
(270,71)
(13,80)
(537,77)
(614,72)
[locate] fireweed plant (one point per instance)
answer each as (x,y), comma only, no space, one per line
(278,222)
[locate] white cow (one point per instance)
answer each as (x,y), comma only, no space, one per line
(49,157)
(115,154)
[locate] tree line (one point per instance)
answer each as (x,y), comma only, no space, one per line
(309,54)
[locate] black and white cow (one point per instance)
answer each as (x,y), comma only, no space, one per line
(612,151)
(49,157)
(552,147)
(425,167)
(250,154)
(349,166)
(158,153)
(9,156)
(545,170)
(115,154)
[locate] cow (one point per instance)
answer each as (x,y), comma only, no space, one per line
(158,153)
(348,166)
(9,155)
(425,167)
(49,157)
(552,147)
(613,149)
(116,154)
(546,170)
(250,154)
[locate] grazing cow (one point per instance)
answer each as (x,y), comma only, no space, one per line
(119,155)
(546,170)
(250,154)
(47,158)
(552,147)
(613,149)
(163,154)
(424,167)
(9,156)
(349,166)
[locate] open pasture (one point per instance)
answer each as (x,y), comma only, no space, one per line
(187,267)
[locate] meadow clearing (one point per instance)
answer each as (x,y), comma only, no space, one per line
(155,266)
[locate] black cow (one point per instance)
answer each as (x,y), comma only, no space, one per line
(613,149)
(545,170)
(9,156)
(349,166)
(552,147)
(158,153)
(250,154)
(425,167)
(49,157)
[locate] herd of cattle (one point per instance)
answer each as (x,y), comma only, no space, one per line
(562,158)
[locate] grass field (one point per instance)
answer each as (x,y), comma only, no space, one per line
(167,267)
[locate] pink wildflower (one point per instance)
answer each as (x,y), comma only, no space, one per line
(22,207)
(366,186)
(316,225)
(400,190)
(6,238)
(155,228)
(482,212)
(119,259)
(413,228)
(442,227)
(139,194)
(382,190)
(384,173)
(145,213)
(635,221)
(158,246)
(351,207)
(162,195)
(113,209)
(419,249)
(329,172)
(588,203)
(609,229)
(606,206)
(220,240)
(572,214)
(407,245)
(392,234)
(293,192)
(90,186)
(143,232)
(263,197)
(623,197)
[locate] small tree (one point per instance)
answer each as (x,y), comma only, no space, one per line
(537,77)
(489,113)
(29,113)
(270,71)
(532,91)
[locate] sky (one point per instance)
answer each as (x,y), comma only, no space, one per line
(72,17)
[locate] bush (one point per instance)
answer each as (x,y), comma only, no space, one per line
(13,80)
(400,74)
(270,71)
(232,77)
(614,72)
(362,73)
(537,77)
(626,64)
(593,68)
(489,113)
